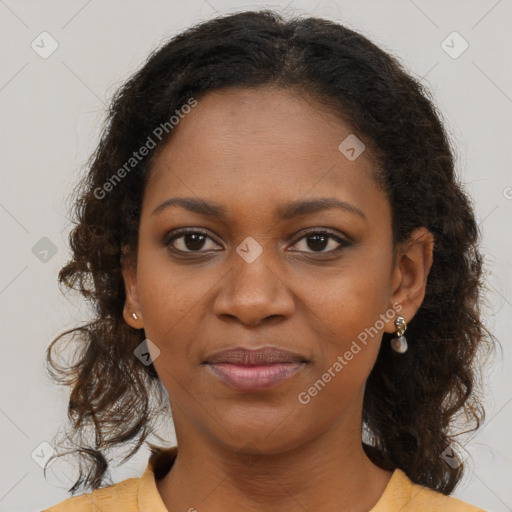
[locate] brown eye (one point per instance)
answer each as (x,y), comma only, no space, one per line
(319,241)
(190,240)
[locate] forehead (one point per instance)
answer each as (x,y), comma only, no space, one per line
(259,143)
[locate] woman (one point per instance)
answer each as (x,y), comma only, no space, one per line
(272,234)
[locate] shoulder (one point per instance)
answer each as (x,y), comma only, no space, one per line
(130,495)
(427,499)
(410,497)
(121,496)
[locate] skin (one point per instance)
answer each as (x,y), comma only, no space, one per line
(251,150)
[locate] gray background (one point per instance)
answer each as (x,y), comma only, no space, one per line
(51,113)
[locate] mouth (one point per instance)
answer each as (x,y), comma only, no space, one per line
(255,370)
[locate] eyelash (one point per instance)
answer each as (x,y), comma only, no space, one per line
(170,238)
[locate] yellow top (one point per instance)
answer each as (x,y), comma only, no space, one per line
(141,494)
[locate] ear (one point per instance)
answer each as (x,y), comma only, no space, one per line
(412,265)
(131,304)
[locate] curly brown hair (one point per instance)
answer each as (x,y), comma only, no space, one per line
(412,400)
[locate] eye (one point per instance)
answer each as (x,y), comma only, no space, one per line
(189,240)
(320,240)
(194,240)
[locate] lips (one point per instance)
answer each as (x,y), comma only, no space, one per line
(253,370)
(255,357)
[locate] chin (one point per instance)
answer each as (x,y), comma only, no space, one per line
(261,435)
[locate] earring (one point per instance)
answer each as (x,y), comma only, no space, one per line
(135,316)
(398,342)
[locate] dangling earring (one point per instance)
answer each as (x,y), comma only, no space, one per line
(135,316)
(398,342)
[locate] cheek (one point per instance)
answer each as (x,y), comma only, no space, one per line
(347,317)
(349,343)
(171,300)
(168,292)
(347,302)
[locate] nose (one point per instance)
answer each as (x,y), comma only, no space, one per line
(254,292)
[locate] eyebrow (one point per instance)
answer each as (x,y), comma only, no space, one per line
(285,211)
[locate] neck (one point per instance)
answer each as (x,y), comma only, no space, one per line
(331,472)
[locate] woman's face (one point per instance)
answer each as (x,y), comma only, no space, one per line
(257,272)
